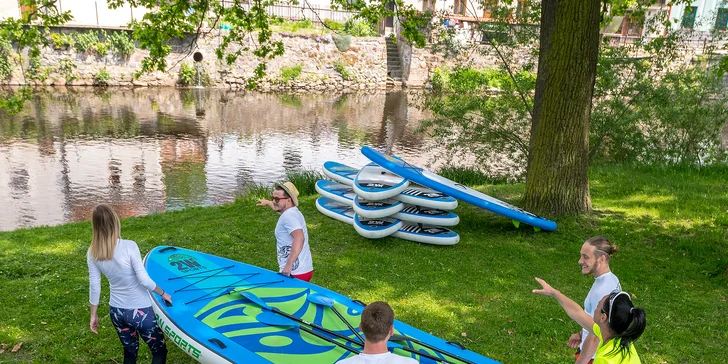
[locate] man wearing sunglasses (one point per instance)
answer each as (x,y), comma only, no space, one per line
(294,254)
(594,260)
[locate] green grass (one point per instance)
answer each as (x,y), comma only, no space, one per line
(670,225)
(470,176)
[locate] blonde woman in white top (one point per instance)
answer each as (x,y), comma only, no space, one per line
(130,306)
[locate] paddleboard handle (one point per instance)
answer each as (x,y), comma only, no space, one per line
(459,345)
(167,249)
(359,302)
(218,343)
(167,303)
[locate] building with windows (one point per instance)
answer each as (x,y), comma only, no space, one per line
(703,16)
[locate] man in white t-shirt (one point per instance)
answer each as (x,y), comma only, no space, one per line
(377,324)
(594,260)
(294,254)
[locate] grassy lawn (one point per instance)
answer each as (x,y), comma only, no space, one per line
(671,227)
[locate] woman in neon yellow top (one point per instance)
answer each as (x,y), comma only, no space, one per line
(617,324)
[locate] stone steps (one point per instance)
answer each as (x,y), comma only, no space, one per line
(394,64)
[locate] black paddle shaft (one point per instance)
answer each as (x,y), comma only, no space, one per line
(407,338)
(347,323)
(315,326)
(306,329)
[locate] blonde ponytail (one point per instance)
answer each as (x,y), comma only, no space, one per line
(106,231)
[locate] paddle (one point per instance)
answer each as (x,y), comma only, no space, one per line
(328,301)
(397,337)
(320,299)
(255,299)
(272,319)
(269,318)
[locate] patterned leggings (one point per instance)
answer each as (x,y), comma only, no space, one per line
(132,323)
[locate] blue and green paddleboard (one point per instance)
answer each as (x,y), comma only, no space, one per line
(230,312)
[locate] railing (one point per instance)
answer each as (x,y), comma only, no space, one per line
(304,10)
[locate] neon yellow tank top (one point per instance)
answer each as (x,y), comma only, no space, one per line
(603,355)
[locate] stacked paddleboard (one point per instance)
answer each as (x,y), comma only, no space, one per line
(379,203)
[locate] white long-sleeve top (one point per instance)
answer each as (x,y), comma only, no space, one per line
(128,279)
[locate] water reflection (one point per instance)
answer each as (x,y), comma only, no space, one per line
(150,150)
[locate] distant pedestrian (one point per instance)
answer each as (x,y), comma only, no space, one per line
(130,306)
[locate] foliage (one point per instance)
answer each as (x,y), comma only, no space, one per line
(35,71)
(186,74)
(86,41)
(359,28)
(668,233)
(655,109)
(62,41)
(470,176)
(43,13)
(296,25)
(333,25)
(305,180)
(122,44)
(342,41)
(291,73)
(66,67)
(102,77)
(491,127)
(6,59)
(340,66)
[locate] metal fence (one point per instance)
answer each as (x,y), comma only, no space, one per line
(317,13)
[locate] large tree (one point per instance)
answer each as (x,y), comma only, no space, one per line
(557,180)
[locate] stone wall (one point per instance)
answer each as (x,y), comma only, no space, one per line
(365,61)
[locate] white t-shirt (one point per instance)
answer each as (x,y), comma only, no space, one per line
(384,358)
(603,285)
(128,279)
(290,221)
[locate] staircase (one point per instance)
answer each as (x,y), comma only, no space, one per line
(394,64)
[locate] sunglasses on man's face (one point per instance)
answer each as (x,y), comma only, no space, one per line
(277,199)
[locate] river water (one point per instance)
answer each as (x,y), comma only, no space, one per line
(150,150)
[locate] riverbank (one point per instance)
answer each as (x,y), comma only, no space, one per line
(671,227)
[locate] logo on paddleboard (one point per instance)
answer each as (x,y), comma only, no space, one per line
(185,263)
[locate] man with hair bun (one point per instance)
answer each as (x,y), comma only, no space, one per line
(594,260)
(377,324)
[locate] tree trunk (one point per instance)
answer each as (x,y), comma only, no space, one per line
(557,180)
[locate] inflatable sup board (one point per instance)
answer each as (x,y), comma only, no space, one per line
(422,215)
(467,194)
(336,191)
(226,311)
(427,234)
(368,228)
(376,183)
(340,172)
(376,209)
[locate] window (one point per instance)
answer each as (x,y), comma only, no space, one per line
(721,20)
(460,7)
(632,26)
(688,20)
(488,7)
(428,5)
(521,9)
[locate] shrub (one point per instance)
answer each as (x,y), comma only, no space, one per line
(102,77)
(66,66)
(305,180)
(291,73)
(186,74)
(101,48)
(340,67)
(359,28)
(85,41)
(6,59)
(342,41)
(333,25)
(122,44)
(62,41)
